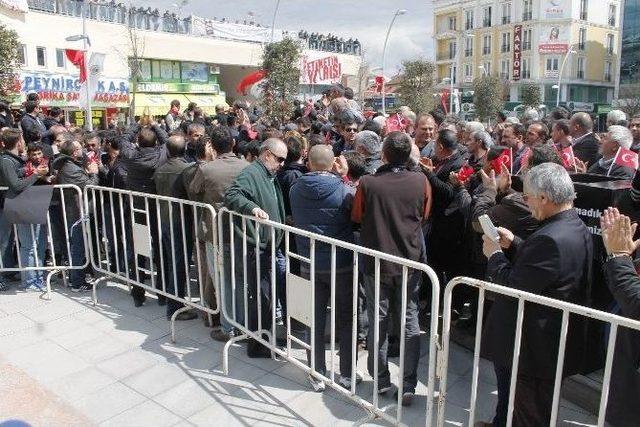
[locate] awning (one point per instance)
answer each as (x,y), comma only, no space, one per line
(158,103)
(207,102)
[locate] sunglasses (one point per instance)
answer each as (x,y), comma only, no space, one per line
(280,159)
(351,130)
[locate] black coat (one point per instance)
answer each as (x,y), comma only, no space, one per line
(287,176)
(586,149)
(623,409)
(555,261)
(142,162)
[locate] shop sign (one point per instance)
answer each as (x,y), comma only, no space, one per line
(319,69)
(162,87)
(555,9)
(63,90)
(517,51)
(586,107)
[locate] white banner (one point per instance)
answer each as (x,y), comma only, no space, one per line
(555,9)
(208,28)
(320,68)
(554,39)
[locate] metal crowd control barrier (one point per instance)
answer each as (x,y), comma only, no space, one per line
(139,236)
(300,300)
(31,241)
(522,297)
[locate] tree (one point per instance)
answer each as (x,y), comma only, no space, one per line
(531,96)
(416,85)
(280,62)
(136,53)
(9,45)
(488,94)
(629,99)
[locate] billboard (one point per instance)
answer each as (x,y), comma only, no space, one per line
(554,39)
(555,9)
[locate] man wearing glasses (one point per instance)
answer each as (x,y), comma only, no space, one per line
(347,128)
(256,192)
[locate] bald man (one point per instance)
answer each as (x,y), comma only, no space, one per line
(585,144)
(321,203)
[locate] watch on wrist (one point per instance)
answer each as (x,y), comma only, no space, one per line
(613,255)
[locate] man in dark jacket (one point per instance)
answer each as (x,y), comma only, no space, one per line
(256,192)
(176,245)
(623,281)
(293,169)
(391,206)
(141,163)
(12,176)
(72,170)
(321,203)
(368,144)
(617,137)
(33,129)
(555,261)
(585,144)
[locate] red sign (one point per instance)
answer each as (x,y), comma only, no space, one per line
(325,70)
(517,51)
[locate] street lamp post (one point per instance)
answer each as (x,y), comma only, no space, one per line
(456,61)
(89,118)
(564,62)
(384,54)
(273,21)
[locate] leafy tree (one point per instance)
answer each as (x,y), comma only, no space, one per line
(9,44)
(280,62)
(531,96)
(488,97)
(416,85)
(629,99)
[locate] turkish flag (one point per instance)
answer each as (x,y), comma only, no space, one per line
(396,122)
(503,159)
(249,80)
(524,162)
(465,173)
(76,57)
(568,158)
(626,158)
(379,83)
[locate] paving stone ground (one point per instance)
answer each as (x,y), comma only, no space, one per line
(65,362)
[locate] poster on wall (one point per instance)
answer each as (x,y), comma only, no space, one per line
(555,9)
(320,68)
(195,72)
(554,39)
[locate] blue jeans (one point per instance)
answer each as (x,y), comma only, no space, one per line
(32,246)
(76,245)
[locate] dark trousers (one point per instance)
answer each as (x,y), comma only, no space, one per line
(391,290)
(533,399)
(176,279)
(136,291)
(257,279)
(344,319)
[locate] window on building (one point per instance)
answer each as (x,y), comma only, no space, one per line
(452,50)
(486,67)
(527,10)
(526,68)
(526,39)
(505,69)
(613,9)
(582,38)
(607,71)
(468,51)
(468,19)
(506,43)
(580,68)
(610,44)
(60,62)
(452,23)
(552,64)
(468,72)
(506,13)
(486,44)
(584,7)
(453,73)
(486,21)
(41,56)
(22,54)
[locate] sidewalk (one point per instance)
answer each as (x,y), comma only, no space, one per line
(65,363)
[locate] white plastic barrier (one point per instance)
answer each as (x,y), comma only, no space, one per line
(567,310)
(234,232)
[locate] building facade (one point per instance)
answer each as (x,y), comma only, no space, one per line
(192,59)
(542,42)
(630,63)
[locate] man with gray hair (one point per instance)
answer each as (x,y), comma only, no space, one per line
(478,147)
(554,261)
(469,129)
(368,144)
(616,138)
(616,117)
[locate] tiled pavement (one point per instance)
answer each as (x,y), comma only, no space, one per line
(65,363)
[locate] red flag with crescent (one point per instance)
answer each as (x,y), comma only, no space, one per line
(626,158)
(568,158)
(465,173)
(503,159)
(524,162)
(396,122)
(250,80)
(77,58)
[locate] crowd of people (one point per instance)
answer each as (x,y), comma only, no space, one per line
(413,186)
(331,43)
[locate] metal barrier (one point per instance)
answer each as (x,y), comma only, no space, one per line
(31,241)
(300,300)
(139,236)
(522,297)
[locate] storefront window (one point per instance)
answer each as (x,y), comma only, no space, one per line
(195,72)
(145,70)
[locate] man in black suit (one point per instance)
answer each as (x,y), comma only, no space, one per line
(555,261)
(585,144)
